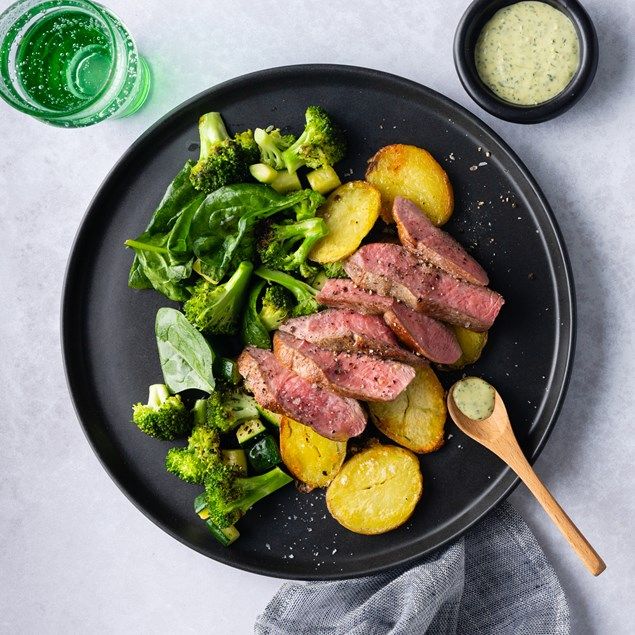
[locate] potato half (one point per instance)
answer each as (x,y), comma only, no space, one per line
(350,213)
(376,490)
(416,419)
(403,170)
(472,345)
(311,458)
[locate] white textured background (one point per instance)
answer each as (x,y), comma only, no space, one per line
(75,555)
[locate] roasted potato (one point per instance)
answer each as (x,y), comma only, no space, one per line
(472,345)
(350,213)
(416,419)
(403,170)
(376,490)
(311,458)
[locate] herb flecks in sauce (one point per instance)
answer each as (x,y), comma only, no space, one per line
(527,53)
(474,397)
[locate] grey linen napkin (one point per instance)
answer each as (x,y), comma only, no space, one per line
(495,580)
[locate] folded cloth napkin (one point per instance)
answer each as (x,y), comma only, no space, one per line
(495,580)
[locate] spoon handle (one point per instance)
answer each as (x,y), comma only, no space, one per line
(578,542)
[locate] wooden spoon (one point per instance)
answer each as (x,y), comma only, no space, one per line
(496,434)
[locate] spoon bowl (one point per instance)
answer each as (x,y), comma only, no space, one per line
(496,434)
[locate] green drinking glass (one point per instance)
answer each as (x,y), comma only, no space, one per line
(69,63)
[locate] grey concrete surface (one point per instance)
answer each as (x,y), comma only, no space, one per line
(75,555)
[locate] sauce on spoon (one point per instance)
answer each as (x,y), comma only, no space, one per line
(474,397)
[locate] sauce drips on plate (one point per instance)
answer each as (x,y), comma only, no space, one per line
(527,53)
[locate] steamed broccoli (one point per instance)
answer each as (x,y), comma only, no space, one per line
(226,409)
(203,450)
(215,309)
(286,246)
(223,160)
(276,307)
(321,142)
(334,270)
(264,313)
(229,495)
(164,416)
(272,143)
(305,302)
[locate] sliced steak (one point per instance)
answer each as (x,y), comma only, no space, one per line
(423,334)
(350,374)
(392,270)
(419,236)
(346,331)
(343,294)
(282,391)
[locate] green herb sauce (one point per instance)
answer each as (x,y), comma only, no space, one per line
(527,53)
(474,397)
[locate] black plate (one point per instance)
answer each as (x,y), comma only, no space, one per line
(110,352)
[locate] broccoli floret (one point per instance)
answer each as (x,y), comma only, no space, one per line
(286,246)
(321,142)
(305,302)
(276,307)
(272,143)
(164,416)
(229,495)
(203,449)
(334,270)
(215,309)
(223,160)
(226,409)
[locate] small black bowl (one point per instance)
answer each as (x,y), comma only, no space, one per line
(467,32)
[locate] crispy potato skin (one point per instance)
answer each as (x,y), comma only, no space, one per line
(416,419)
(350,213)
(472,344)
(311,458)
(376,490)
(412,172)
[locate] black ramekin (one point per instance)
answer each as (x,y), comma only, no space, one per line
(467,32)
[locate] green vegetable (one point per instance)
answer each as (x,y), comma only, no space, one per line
(236,458)
(286,246)
(225,536)
(227,409)
(228,495)
(321,142)
(272,143)
(223,227)
(304,294)
(324,179)
(191,463)
(215,309)
(263,173)
(270,417)
(223,160)
(253,331)
(264,313)
(226,371)
(286,181)
(186,357)
(164,416)
(334,270)
(264,454)
(248,431)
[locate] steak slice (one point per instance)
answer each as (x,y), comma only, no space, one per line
(343,294)
(282,391)
(346,331)
(423,334)
(392,270)
(419,236)
(350,374)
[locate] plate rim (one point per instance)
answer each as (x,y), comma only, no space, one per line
(507,480)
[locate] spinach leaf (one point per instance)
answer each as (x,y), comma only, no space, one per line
(253,331)
(177,197)
(223,225)
(186,357)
